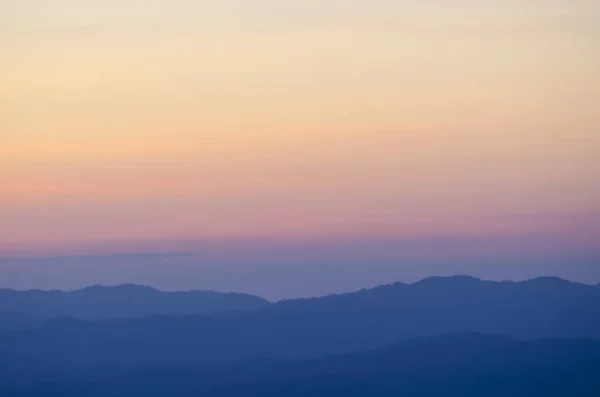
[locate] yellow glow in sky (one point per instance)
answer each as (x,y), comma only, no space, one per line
(148,119)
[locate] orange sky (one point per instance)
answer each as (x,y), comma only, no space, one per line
(130,119)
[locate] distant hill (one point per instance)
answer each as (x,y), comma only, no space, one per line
(19,321)
(125,301)
(337,324)
(457,365)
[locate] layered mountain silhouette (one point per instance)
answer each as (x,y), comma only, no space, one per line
(337,324)
(462,364)
(17,321)
(23,309)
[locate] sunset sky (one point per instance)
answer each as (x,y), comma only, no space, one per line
(144,120)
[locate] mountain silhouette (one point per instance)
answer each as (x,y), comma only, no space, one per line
(461,364)
(336,324)
(18,321)
(23,309)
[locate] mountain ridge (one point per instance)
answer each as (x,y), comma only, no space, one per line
(122,301)
(458,364)
(455,277)
(334,324)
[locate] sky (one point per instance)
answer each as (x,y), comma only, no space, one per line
(129,123)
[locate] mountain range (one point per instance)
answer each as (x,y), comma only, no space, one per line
(457,365)
(27,309)
(458,332)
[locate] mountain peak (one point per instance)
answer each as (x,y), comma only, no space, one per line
(446,279)
(549,280)
(122,287)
